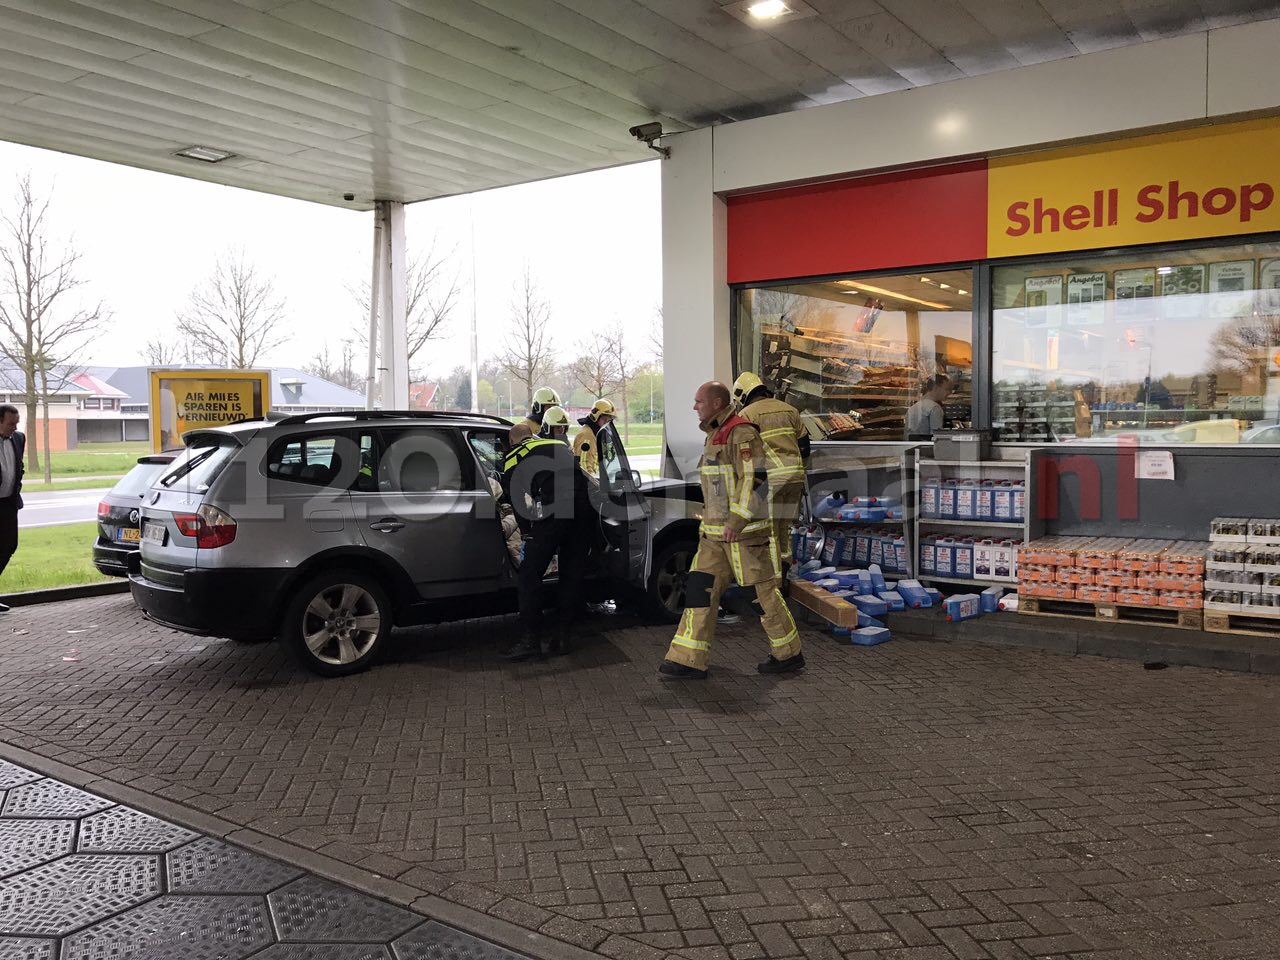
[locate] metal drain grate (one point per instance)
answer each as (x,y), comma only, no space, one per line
(211,866)
(123,830)
(435,941)
(28,843)
(12,775)
(324,951)
(49,798)
(314,909)
(20,948)
(192,928)
(59,897)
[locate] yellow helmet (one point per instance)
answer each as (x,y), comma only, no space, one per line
(543,398)
(553,417)
(601,408)
(746,384)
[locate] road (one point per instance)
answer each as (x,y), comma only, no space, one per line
(59,507)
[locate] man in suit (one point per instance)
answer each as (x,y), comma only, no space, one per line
(13,445)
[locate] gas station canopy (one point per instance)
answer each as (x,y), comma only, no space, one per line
(406,101)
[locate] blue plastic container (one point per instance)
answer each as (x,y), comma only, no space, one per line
(986,501)
(818,573)
(833,548)
(930,494)
(947,500)
(963,606)
(862,514)
(871,606)
(869,636)
(962,560)
(1019,502)
(990,598)
(967,500)
(894,600)
(877,577)
(868,621)
(945,557)
(935,595)
(928,556)
(913,594)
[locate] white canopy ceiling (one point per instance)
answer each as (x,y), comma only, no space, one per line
(413,99)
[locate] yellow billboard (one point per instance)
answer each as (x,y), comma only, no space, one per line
(1215,181)
(183,400)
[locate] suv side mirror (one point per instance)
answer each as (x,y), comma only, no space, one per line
(635,479)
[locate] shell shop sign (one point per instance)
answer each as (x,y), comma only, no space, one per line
(1213,181)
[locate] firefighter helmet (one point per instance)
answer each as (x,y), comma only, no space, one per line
(746,384)
(543,399)
(553,417)
(601,408)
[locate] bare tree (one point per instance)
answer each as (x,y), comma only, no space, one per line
(430,300)
(624,370)
(157,353)
(527,353)
(338,369)
(656,335)
(235,316)
(1243,344)
(595,368)
(44,331)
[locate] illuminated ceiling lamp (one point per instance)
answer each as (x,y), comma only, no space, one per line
(766,13)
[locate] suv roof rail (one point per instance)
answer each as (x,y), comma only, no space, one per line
(394,415)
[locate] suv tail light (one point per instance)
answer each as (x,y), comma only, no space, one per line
(104,510)
(210,526)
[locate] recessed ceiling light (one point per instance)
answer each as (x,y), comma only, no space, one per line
(206,154)
(768,13)
(767,9)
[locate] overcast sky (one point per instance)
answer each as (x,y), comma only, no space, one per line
(592,243)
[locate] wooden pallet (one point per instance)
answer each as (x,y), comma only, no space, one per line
(1248,624)
(1112,612)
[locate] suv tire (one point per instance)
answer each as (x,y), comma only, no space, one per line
(667,576)
(337,622)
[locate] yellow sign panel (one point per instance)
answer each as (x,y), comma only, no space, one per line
(1217,181)
(183,400)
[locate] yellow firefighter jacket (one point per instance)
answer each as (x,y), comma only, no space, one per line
(584,448)
(781,430)
(733,474)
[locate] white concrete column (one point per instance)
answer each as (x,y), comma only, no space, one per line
(695,294)
(371,400)
(395,286)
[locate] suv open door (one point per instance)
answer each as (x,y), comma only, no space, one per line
(625,512)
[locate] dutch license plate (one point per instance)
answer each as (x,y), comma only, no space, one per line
(154,533)
(128,535)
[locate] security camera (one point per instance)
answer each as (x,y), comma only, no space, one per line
(649,133)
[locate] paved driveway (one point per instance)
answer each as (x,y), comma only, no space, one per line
(914,801)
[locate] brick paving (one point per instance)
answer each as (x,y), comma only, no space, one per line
(912,801)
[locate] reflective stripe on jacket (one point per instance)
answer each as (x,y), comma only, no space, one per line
(733,476)
(781,430)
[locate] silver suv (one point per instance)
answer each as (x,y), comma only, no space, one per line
(326,530)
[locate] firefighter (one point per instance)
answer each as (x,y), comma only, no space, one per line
(585,447)
(786,445)
(541,470)
(733,543)
(543,398)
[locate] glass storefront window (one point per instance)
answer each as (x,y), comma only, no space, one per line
(1169,347)
(863,358)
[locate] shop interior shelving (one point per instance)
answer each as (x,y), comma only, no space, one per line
(927,468)
(844,471)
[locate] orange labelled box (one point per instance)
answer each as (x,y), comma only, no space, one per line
(1037,573)
(1138,598)
(1185,558)
(1183,601)
(1075,575)
(1096,594)
(1116,580)
(1047,590)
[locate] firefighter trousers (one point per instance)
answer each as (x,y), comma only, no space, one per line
(784,511)
(752,564)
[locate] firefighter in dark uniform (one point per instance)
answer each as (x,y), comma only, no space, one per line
(550,496)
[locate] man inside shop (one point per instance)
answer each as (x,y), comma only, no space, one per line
(926,415)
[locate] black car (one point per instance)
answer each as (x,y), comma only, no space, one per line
(118,528)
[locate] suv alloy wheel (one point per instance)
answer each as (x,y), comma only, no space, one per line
(337,622)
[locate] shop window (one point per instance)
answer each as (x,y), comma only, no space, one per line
(1179,347)
(865,358)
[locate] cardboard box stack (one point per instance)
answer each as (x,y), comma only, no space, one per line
(1119,570)
(1243,570)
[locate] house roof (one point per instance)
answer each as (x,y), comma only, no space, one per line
(134,383)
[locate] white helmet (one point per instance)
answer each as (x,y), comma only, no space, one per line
(553,417)
(543,398)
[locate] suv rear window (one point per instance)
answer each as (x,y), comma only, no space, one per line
(199,465)
(321,459)
(139,480)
